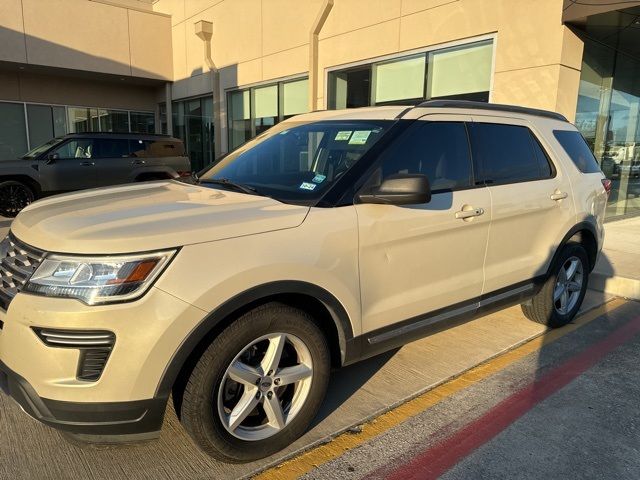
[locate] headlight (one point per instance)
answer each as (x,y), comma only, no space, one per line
(95,280)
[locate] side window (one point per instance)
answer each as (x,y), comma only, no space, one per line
(576,147)
(78,148)
(439,150)
(156,148)
(546,170)
(111,148)
(506,154)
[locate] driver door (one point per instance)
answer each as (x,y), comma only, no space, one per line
(418,259)
(70,166)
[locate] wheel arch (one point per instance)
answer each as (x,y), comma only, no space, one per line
(331,317)
(29,181)
(585,234)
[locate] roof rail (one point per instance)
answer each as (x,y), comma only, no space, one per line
(491,106)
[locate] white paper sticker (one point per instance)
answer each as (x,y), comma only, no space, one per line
(307,186)
(343,136)
(359,137)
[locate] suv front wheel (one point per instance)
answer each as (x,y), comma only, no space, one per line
(258,385)
(561,295)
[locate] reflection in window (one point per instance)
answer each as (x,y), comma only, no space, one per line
(295,98)
(608,116)
(142,122)
(45,123)
(265,101)
(193,123)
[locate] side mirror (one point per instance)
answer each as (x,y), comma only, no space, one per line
(52,157)
(399,189)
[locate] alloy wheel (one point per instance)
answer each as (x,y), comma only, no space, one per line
(568,285)
(13,198)
(265,386)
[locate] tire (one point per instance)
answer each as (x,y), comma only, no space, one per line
(14,196)
(211,395)
(546,307)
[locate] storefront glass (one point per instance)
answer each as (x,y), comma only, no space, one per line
(608,116)
(193,123)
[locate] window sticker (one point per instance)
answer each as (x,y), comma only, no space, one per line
(319,178)
(359,137)
(343,136)
(307,186)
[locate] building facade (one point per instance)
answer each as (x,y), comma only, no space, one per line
(141,65)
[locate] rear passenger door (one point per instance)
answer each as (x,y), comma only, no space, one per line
(416,259)
(112,161)
(531,202)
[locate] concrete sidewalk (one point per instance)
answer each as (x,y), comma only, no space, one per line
(618,268)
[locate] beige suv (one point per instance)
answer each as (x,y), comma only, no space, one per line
(330,238)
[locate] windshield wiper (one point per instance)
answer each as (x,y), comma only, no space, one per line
(229,183)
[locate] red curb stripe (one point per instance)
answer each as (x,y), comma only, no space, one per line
(438,459)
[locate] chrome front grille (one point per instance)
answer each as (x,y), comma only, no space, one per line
(18,261)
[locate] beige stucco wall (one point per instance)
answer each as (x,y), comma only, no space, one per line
(95,36)
(537,58)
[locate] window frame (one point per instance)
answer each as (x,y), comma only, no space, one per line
(533,137)
(426,51)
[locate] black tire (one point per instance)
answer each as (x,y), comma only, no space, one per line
(198,410)
(14,196)
(542,308)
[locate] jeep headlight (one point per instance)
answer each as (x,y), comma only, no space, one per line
(99,279)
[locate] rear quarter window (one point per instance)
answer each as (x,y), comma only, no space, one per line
(579,152)
(156,148)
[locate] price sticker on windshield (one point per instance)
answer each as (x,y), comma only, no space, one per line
(343,136)
(359,137)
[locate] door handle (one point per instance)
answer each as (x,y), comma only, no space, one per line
(559,195)
(87,164)
(474,212)
(138,162)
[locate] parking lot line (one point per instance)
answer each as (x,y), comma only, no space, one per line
(307,461)
(435,461)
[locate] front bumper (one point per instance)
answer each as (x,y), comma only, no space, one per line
(126,398)
(96,419)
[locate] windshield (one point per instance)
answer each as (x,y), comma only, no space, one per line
(42,148)
(297,162)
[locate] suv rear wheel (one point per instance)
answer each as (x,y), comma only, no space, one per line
(14,196)
(258,385)
(560,297)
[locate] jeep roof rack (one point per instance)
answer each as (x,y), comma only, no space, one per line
(497,107)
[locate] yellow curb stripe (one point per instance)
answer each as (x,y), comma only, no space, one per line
(344,442)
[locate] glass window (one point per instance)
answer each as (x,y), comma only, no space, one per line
(59,121)
(265,104)
(143,122)
(239,117)
(458,71)
(295,98)
(503,154)
(350,88)
(544,163)
(297,161)
(79,120)
(40,118)
(578,150)
(462,72)
(78,148)
(399,79)
(35,152)
(13,132)
(156,148)
(113,121)
(111,148)
(439,150)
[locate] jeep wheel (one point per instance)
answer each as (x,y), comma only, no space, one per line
(258,385)
(560,297)
(14,196)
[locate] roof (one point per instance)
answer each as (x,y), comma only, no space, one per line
(134,136)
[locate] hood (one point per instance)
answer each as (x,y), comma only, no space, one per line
(148,216)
